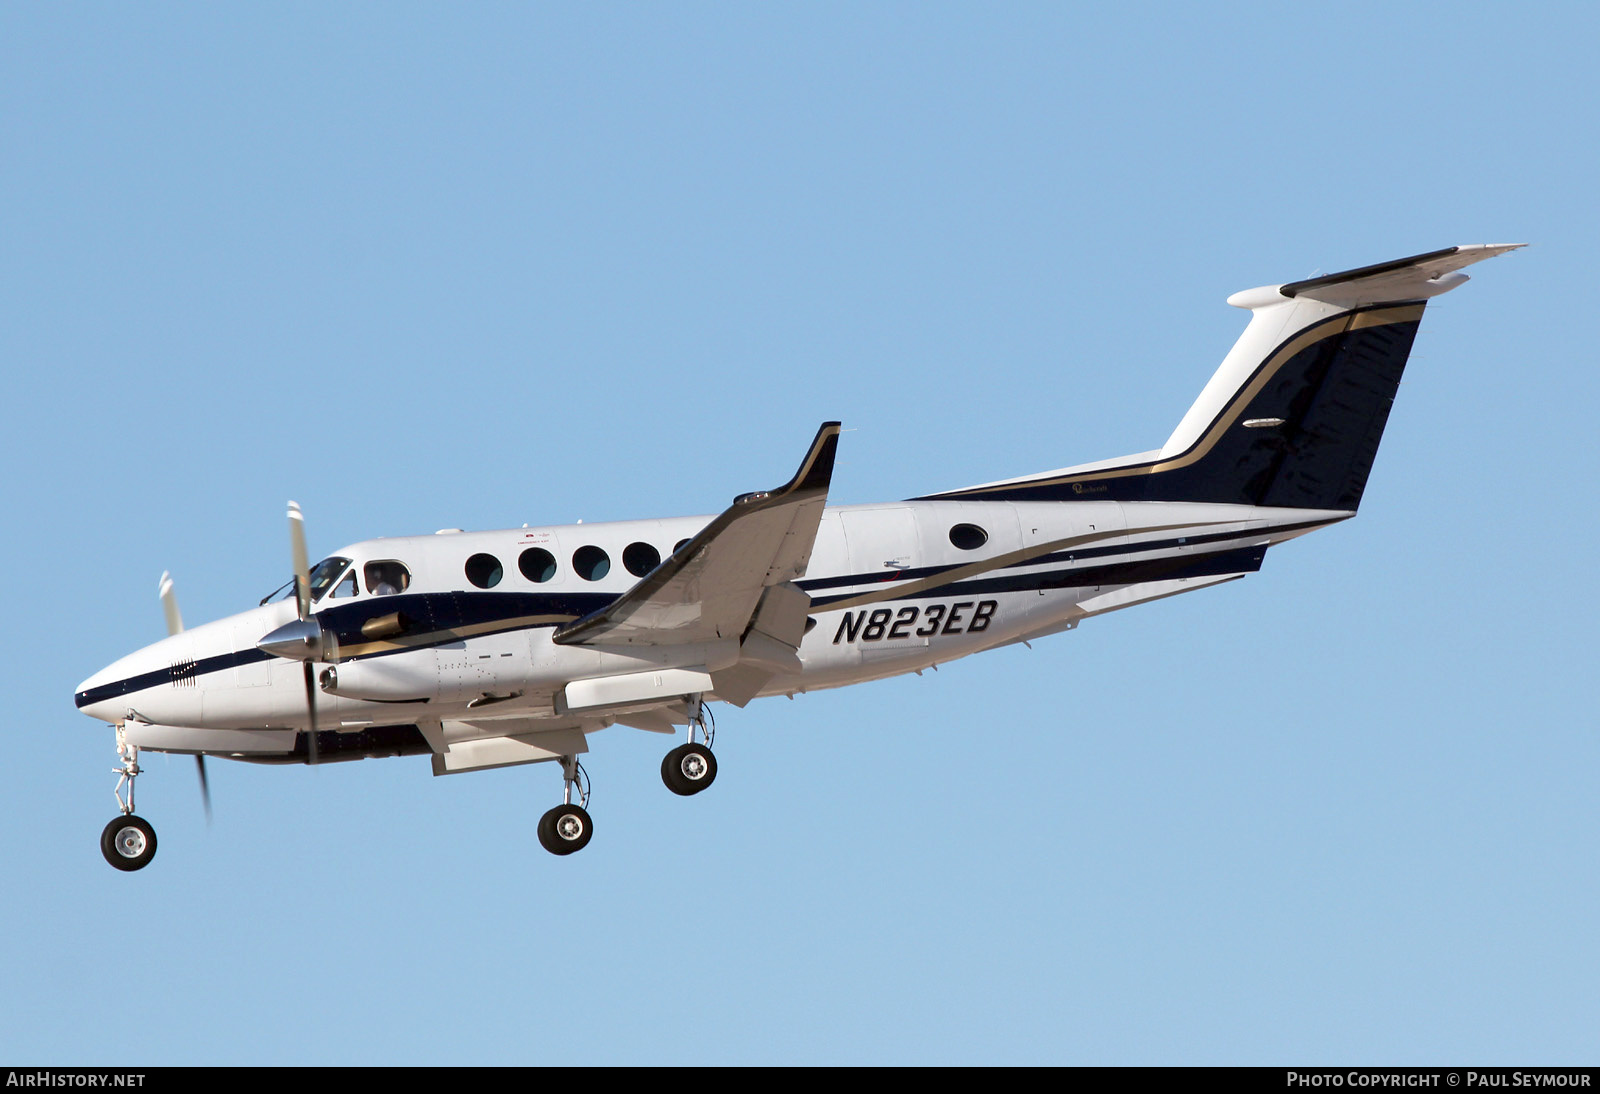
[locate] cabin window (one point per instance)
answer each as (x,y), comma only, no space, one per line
(484,571)
(968,537)
(537,564)
(680,545)
(640,558)
(591,562)
(387,577)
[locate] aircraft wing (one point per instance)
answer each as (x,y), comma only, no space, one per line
(713,587)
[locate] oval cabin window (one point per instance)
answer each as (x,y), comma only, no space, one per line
(640,558)
(537,564)
(591,562)
(968,537)
(484,571)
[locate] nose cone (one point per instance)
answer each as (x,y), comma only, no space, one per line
(85,696)
(140,681)
(107,694)
(297,640)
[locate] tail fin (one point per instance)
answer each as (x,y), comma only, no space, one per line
(1294,414)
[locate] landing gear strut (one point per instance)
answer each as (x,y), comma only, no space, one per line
(128,843)
(690,768)
(567,827)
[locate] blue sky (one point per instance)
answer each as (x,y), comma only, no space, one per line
(418,267)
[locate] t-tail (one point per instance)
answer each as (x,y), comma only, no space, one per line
(1294,414)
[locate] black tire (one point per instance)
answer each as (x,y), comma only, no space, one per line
(128,843)
(565,829)
(689,769)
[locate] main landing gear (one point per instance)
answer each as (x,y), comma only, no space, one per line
(567,827)
(690,768)
(687,769)
(128,843)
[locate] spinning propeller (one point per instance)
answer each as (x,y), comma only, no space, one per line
(301,640)
(169,607)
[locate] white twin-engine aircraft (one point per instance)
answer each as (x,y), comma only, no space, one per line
(488,649)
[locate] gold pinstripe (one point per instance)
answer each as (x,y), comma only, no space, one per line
(451,634)
(899,589)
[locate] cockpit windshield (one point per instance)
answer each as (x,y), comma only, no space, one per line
(323,575)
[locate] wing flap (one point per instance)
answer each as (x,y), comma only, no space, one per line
(509,751)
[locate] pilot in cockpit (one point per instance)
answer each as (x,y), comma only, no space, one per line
(387,578)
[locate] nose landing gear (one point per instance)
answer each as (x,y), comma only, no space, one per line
(129,842)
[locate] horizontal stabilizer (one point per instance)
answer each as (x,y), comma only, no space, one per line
(1416,278)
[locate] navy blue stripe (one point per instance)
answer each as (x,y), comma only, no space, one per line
(442,614)
(1075,553)
(439,615)
(1241,560)
(161,677)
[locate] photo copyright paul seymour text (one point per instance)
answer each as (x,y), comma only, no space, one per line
(1476,1080)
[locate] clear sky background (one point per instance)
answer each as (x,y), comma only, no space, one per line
(422,267)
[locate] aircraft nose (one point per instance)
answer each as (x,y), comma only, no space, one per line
(96,696)
(107,694)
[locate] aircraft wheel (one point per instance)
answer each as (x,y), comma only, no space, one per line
(128,843)
(689,769)
(565,829)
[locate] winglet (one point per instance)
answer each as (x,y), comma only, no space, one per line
(815,472)
(710,587)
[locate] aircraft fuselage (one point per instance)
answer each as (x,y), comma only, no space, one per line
(891,592)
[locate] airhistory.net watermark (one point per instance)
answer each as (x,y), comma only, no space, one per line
(44,1077)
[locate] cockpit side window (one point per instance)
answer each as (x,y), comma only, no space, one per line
(346,585)
(387,577)
(324,573)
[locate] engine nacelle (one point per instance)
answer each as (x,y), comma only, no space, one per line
(395,679)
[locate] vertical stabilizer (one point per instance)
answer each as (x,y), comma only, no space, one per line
(1294,414)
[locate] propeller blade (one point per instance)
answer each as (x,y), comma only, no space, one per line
(302,596)
(311,705)
(169,607)
(302,563)
(169,603)
(205,787)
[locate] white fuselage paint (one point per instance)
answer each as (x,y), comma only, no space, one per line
(864,554)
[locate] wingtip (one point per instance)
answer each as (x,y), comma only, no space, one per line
(816,470)
(1489,250)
